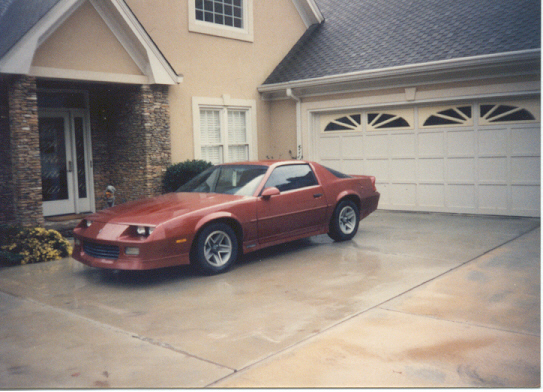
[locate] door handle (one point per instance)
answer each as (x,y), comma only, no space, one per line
(317,195)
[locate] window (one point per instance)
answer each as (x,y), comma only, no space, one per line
(457,115)
(498,113)
(346,123)
(386,120)
(290,177)
(223,18)
(223,140)
(221,12)
(223,130)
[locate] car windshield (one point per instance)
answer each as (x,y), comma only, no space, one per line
(230,179)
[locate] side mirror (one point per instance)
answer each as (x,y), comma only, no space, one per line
(269,192)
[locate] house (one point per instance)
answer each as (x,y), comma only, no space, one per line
(439,99)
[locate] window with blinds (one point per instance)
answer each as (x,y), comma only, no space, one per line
(223,135)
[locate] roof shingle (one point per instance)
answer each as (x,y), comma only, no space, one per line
(361,35)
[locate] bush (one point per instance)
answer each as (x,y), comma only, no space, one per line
(180,173)
(31,245)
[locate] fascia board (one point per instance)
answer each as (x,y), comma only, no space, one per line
(143,50)
(18,60)
(309,12)
(402,75)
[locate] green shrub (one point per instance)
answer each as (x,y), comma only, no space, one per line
(180,173)
(31,245)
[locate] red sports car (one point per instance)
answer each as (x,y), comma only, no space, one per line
(225,211)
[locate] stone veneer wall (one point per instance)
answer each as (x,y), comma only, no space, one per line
(24,187)
(7,207)
(131,143)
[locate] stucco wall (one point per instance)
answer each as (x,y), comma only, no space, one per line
(214,66)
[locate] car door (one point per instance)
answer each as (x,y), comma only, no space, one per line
(300,207)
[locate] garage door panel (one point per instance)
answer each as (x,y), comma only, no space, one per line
(354,166)
(493,142)
(404,195)
(460,143)
(330,147)
(352,147)
(332,164)
(461,170)
(378,168)
(402,145)
(431,170)
(431,196)
(493,170)
(493,198)
(526,141)
(404,170)
(461,196)
(376,146)
(525,169)
(431,144)
(525,199)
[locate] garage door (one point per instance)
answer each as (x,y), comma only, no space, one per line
(474,157)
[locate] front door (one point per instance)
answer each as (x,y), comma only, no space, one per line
(66,169)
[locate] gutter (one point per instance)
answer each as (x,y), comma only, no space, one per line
(289,94)
(465,63)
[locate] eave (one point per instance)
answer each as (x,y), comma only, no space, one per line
(519,63)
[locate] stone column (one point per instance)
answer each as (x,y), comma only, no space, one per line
(25,151)
(140,149)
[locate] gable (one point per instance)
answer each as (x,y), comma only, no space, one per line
(95,40)
(84,42)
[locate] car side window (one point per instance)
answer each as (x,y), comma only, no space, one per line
(290,177)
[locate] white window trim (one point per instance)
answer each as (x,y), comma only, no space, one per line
(244,34)
(225,103)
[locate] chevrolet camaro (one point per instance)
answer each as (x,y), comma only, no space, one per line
(225,211)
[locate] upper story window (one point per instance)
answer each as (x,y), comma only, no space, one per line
(222,18)
(221,12)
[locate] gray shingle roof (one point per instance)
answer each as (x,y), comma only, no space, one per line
(17,17)
(359,35)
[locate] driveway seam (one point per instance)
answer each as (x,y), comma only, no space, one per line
(117,330)
(378,306)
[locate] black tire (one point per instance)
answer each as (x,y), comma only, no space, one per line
(344,222)
(216,249)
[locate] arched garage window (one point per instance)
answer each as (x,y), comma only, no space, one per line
(498,113)
(457,115)
(346,123)
(386,121)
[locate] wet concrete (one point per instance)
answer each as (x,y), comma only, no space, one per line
(413,300)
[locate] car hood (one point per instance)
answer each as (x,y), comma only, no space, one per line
(160,209)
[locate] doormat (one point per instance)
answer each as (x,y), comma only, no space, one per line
(62,218)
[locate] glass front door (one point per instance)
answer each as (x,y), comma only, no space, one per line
(65,162)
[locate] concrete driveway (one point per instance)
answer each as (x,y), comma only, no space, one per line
(415,300)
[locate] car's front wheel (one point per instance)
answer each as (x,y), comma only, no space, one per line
(216,249)
(344,223)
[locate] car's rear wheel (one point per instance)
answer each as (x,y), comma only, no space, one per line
(344,223)
(216,249)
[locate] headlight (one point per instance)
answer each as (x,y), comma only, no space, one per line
(144,230)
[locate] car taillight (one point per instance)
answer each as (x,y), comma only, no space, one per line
(373,183)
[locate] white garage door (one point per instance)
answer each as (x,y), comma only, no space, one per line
(477,157)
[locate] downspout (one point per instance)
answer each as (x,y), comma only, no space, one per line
(289,93)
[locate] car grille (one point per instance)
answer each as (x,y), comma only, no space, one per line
(101,251)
